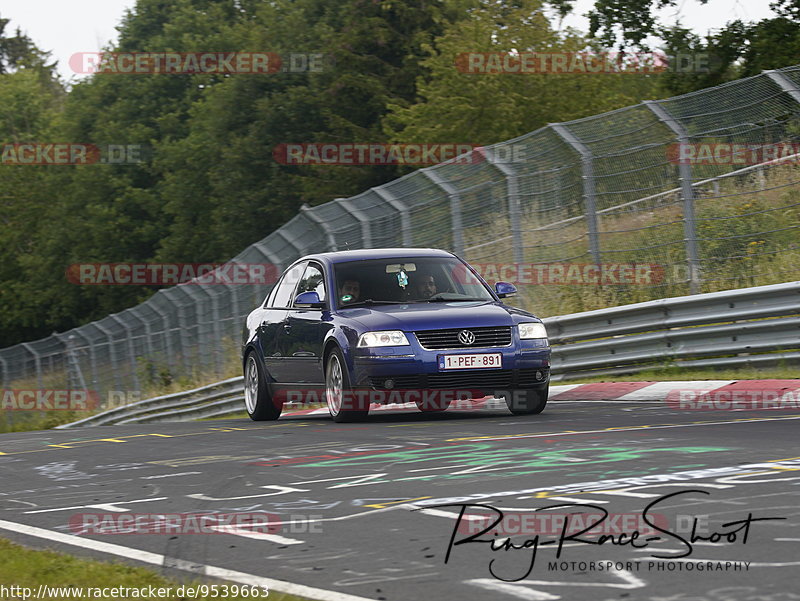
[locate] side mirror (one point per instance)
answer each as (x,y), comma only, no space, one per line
(308,300)
(504,289)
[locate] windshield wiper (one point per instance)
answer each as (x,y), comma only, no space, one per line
(369,301)
(453,300)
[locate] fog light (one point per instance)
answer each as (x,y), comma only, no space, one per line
(539,375)
(388,384)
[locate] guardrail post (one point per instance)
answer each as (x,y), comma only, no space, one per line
(400,207)
(455,208)
(323,225)
(514,209)
(589,194)
(687,192)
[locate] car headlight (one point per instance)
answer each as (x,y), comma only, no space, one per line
(387,338)
(531,330)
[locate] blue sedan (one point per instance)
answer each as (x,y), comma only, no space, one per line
(359,327)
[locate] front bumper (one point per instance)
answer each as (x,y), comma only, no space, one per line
(525,364)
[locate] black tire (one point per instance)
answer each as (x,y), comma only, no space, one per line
(344,407)
(527,401)
(258,401)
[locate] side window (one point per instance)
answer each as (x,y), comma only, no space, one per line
(312,281)
(283,295)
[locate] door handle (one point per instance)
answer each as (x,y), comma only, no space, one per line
(287,327)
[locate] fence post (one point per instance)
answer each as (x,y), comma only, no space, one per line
(589,194)
(131,351)
(361,217)
(687,192)
(112,352)
(400,207)
(73,365)
(167,335)
(455,208)
(37,361)
(323,225)
(514,209)
(786,84)
(4,366)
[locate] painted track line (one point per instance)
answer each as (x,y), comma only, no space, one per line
(157,559)
(625,429)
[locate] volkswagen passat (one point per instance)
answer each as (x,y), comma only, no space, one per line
(391,325)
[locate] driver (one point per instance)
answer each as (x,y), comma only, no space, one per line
(426,286)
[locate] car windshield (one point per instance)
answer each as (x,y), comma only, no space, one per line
(406,280)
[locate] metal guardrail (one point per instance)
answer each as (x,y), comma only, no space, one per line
(751,326)
(748,326)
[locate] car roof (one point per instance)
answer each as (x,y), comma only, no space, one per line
(376,253)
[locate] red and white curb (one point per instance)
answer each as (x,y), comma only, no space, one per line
(620,391)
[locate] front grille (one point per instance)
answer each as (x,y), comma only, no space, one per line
(498,378)
(435,340)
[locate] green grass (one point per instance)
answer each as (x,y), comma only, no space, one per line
(30,568)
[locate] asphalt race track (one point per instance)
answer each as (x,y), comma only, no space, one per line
(369,510)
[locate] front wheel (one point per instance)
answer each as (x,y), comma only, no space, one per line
(343,404)
(257,400)
(527,401)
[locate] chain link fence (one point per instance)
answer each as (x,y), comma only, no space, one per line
(611,209)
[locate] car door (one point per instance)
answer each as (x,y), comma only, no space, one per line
(274,321)
(300,342)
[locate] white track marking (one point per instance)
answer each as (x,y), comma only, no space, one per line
(157,559)
(660,390)
(561,389)
(522,589)
(101,506)
(627,429)
(246,533)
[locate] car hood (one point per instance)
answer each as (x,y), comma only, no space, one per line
(433,316)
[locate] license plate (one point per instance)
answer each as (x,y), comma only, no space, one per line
(479,361)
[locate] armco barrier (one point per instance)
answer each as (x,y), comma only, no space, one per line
(751,326)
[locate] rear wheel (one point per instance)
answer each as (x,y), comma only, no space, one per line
(343,405)
(527,401)
(257,400)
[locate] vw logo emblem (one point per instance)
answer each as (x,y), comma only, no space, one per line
(466,337)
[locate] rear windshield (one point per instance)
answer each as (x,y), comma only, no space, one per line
(406,280)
